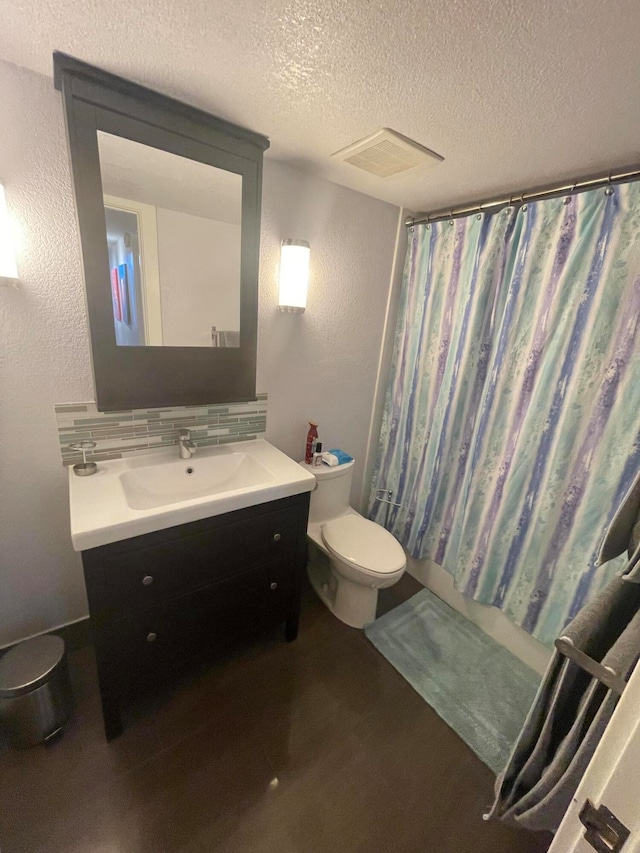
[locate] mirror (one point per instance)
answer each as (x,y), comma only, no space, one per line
(173,229)
(168,204)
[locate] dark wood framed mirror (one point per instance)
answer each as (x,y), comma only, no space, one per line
(168,204)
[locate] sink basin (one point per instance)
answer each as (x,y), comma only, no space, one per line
(152,491)
(186,479)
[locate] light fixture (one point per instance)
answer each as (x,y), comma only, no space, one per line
(294,275)
(8,266)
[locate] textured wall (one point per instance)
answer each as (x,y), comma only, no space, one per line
(44,358)
(321,364)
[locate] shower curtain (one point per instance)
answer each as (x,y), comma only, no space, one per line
(511,428)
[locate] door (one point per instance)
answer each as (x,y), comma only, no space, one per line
(612,779)
(146,260)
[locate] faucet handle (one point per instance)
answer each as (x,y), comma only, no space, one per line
(184,433)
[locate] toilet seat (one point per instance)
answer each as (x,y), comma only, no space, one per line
(363,544)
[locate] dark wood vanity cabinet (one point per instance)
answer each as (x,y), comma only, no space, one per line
(163,599)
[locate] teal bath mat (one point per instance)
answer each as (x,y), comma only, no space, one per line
(479,688)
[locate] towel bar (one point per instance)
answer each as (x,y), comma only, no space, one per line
(386,500)
(604,674)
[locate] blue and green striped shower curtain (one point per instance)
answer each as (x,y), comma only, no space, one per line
(511,428)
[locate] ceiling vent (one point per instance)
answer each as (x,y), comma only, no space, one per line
(386,153)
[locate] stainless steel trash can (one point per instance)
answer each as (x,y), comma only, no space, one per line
(35,691)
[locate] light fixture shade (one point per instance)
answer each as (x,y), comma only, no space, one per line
(8,265)
(294,275)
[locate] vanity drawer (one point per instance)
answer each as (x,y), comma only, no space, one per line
(149,575)
(151,645)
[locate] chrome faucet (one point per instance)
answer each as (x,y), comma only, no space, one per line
(186,447)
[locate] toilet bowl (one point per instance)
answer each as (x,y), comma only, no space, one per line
(350,558)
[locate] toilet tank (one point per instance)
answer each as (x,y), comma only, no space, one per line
(330,498)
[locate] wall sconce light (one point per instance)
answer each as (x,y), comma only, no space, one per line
(8,265)
(294,275)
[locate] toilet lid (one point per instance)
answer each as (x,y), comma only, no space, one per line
(364,544)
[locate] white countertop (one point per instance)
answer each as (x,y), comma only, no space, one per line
(100,512)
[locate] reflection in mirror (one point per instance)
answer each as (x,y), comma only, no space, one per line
(173,234)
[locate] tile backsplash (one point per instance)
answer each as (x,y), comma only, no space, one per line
(119,434)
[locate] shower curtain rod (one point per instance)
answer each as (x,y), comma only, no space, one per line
(519,198)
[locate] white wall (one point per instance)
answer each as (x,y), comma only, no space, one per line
(385,357)
(199,277)
(44,358)
(319,365)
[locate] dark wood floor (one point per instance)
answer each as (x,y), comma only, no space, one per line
(311,747)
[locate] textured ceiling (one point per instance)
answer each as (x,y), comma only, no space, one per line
(513,93)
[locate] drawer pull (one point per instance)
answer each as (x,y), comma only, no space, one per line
(277,537)
(147,580)
(151,636)
(273,585)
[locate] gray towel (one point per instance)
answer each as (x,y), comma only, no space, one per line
(623,534)
(569,713)
(544,805)
(622,659)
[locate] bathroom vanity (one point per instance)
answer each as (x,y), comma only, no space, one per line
(159,598)
(181,558)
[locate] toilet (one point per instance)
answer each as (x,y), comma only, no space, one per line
(350,557)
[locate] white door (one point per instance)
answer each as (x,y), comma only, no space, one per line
(612,778)
(151,303)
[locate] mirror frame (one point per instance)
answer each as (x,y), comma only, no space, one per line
(154,376)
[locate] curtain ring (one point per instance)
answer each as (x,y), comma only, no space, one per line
(608,190)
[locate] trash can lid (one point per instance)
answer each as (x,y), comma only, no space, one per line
(29,664)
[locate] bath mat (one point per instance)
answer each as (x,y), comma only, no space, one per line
(478,688)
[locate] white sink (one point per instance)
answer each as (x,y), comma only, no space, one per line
(153,491)
(183,479)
